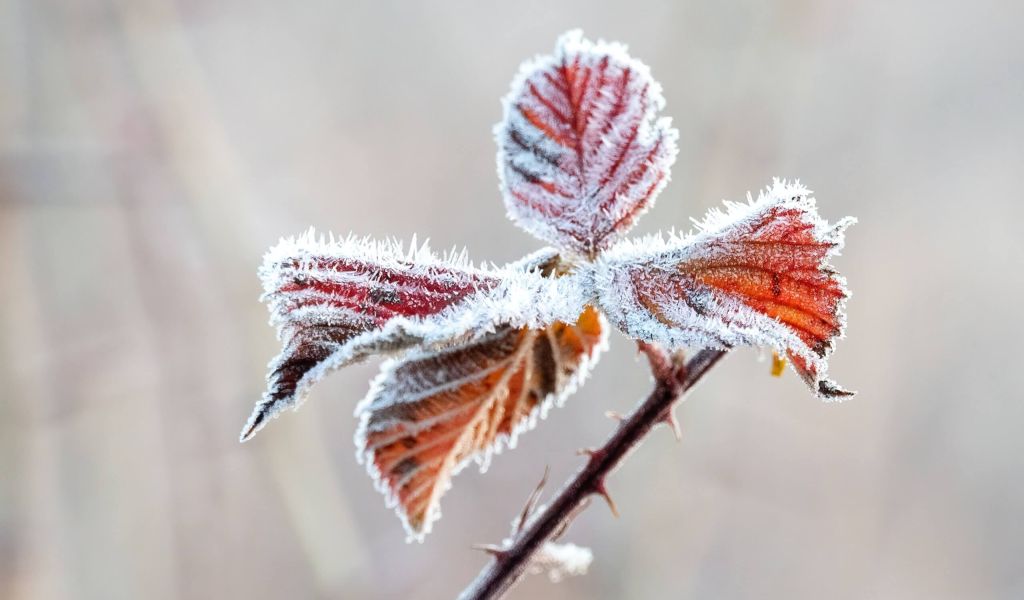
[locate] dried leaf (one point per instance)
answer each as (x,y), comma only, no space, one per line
(581,152)
(432,412)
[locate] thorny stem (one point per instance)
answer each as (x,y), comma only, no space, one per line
(673,378)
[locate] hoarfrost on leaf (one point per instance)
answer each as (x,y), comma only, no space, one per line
(335,302)
(581,151)
(755,274)
(430,413)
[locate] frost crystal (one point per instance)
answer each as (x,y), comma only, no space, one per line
(757,274)
(581,152)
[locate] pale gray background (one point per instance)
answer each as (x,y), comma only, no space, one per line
(150,150)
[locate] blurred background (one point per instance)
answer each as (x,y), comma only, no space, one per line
(151,150)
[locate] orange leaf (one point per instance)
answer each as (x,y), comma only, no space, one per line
(756,276)
(431,413)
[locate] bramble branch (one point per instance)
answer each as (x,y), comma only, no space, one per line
(673,378)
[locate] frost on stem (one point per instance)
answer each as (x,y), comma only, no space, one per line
(558,559)
(581,151)
(431,413)
(335,302)
(756,274)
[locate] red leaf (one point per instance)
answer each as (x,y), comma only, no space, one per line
(335,303)
(431,413)
(757,276)
(581,153)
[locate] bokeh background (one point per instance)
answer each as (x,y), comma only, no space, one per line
(151,150)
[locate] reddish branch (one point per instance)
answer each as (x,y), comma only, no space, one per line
(673,378)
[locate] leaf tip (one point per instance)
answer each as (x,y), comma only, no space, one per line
(831,391)
(255,423)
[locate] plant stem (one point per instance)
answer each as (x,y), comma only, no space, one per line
(673,378)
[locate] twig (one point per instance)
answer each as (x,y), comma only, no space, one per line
(673,378)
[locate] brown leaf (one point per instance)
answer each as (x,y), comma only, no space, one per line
(431,413)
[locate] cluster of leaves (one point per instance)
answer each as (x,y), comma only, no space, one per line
(478,354)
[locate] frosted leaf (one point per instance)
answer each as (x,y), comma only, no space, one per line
(581,152)
(757,274)
(336,302)
(430,413)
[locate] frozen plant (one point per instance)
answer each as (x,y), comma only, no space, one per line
(478,354)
